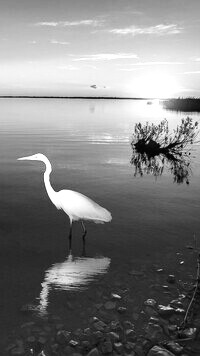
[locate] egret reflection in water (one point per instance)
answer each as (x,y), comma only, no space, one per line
(74,274)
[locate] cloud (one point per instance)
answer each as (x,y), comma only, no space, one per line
(141,64)
(88,22)
(59,42)
(89,66)
(155,63)
(128,69)
(194,72)
(84,23)
(107,57)
(32,42)
(158,30)
(195,59)
(68,67)
(50,24)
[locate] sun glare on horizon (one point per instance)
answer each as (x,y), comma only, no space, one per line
(157,85)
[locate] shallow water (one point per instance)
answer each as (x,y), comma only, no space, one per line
(88,144)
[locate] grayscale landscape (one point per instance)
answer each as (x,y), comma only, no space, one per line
(100,99)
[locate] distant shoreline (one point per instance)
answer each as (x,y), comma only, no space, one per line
(182,104)
(69,97)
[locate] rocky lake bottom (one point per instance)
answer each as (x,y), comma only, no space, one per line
(148,311)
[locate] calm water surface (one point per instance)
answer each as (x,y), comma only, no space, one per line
(88,144)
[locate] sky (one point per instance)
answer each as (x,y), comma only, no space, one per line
(134,48)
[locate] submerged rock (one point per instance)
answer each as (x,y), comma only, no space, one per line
(93,319)
(63,336)
(42,340)
(171,278)
(138,350)
(31,339)
(172,328)
(29,324)
(165,311)
(176,303)
(130,334)
(118,346)
(136,273)
(86,345)
(154,332)
(180,311)
(188,333)
(28,309)
(98,305)
(97,335)
(73,343)
(129,346)
(18,351)
(122,310)
(110,305)
(150,302)
(100,325)
(106,347)
(68,351)
(115,296)
(159,351)
(87,331)
(174,347)
(10,347)
(135,316)
(113,336)
(128,325)
(94,352)
(151,311)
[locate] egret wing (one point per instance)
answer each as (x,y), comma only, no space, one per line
(78,206)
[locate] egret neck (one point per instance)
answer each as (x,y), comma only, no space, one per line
(50,191)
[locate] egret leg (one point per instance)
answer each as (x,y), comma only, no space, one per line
(84,231)
(70,236)
(84,234)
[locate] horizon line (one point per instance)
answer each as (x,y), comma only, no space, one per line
(77,97)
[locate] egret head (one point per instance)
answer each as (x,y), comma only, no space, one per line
(36,157)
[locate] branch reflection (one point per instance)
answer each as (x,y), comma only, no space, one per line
(177,164)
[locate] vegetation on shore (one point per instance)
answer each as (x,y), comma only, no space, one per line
(183,104)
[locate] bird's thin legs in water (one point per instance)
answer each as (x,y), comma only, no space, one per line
(70,237)
(84,231)
(84,234)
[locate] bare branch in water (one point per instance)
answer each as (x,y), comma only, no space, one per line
(153,146)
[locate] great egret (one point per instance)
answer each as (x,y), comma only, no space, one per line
(76,205)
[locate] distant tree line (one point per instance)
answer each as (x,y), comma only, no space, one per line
(183,104)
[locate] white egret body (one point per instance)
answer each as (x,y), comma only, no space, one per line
(76,205)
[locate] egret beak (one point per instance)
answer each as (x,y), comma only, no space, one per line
(25,158)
